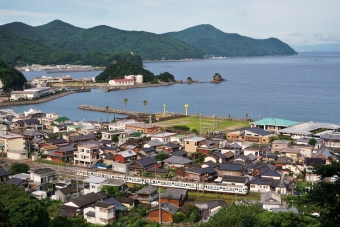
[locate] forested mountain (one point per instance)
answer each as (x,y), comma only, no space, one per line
(11,78)
(119,70)
(16,50)
(215,42)
(63,36)
(105,59)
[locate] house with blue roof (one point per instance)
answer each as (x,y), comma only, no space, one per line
(273,124)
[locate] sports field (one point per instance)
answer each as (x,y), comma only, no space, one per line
(206,124)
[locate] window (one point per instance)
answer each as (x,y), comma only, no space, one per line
(93,186)
(186,142)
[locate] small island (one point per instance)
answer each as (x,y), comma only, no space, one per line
(217,78)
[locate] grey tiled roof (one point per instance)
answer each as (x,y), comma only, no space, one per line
(90,214)
(230,167)
(216,203)
(3,172)
(15,181)
(147,161)
(234,179)
(167,207)
(178,153)
(102,204)
(177,160)
(173,193)
(147,190)
(44,171)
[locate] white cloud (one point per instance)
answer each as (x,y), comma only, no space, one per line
(15,13)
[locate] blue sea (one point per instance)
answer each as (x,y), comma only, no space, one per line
(304,87)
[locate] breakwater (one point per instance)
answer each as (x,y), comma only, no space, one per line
(110,110)
(106,87)
(42,100)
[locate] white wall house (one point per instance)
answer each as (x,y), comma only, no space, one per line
(30,93)
(121,82)
(101,213)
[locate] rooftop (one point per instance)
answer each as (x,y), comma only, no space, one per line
(276,122)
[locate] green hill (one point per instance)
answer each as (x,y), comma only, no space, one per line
(119,70)
(11,78)
(16,50)
(63,36)
(215,42)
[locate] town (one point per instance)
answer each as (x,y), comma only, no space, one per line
(105,171)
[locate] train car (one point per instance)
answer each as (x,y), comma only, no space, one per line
(197,186)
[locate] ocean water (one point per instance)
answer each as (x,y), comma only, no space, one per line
(304,87)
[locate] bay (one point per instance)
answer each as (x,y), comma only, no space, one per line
(304,87)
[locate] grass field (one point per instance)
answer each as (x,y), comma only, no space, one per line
(207,124)
(229,198)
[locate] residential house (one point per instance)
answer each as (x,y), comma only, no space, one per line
(167,212)
(235,180)
(181,153)
(170,147)
(96,183)
(19,182)
(254,135)
(235,148)
(293,153)
(61,121)
(191,144)
(77,205)
(270,200)
(207,174)
(233,169)
(3,175)
(11,141)
(127,202)
(59,142)
(325,154)
(268,181)
(82,138)
(64,153)
(309,163)
(120,167)
(86,155)
(142,127)
(163,137)
(67,193)
(242,159)
(210,208)
(207,147)
(43,176)
(174,196)
(179,139)
(177,161)
(305,150)
(305,141)
(67,135)
(102,213)
(146,194)
(142,165)
(17,155)
(156,143)
(216,157)
(278,145)
(149,152)
(125,156)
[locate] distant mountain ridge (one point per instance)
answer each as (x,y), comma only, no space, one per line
(216,42)
(58,42)
(319,47)
(63,36)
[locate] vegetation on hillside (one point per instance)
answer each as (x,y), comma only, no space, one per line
(63,36)
(105,59)
(11,78)
(215,42)
(17,50)
(119,70)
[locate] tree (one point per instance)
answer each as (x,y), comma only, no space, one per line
(60,221)
(312,142)
(19,168)
(178,217)
(189,80)
(161,156)
(325,194)
(191,212)
(195,131)
(107,114)
(114,138)
(125,102)
(113,191)
(198,157)
(145,103)
(48,186)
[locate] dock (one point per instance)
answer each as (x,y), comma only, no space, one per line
(110,110)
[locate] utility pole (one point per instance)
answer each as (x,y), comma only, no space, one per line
(199,114)
(159,205)
(77,182)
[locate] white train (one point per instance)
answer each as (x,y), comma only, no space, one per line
(197,186)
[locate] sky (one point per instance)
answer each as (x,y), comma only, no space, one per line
(296,22)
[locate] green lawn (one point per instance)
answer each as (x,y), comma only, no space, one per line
(207,124)
(229,198)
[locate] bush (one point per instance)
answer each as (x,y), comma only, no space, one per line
(19,168)
(178,217)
